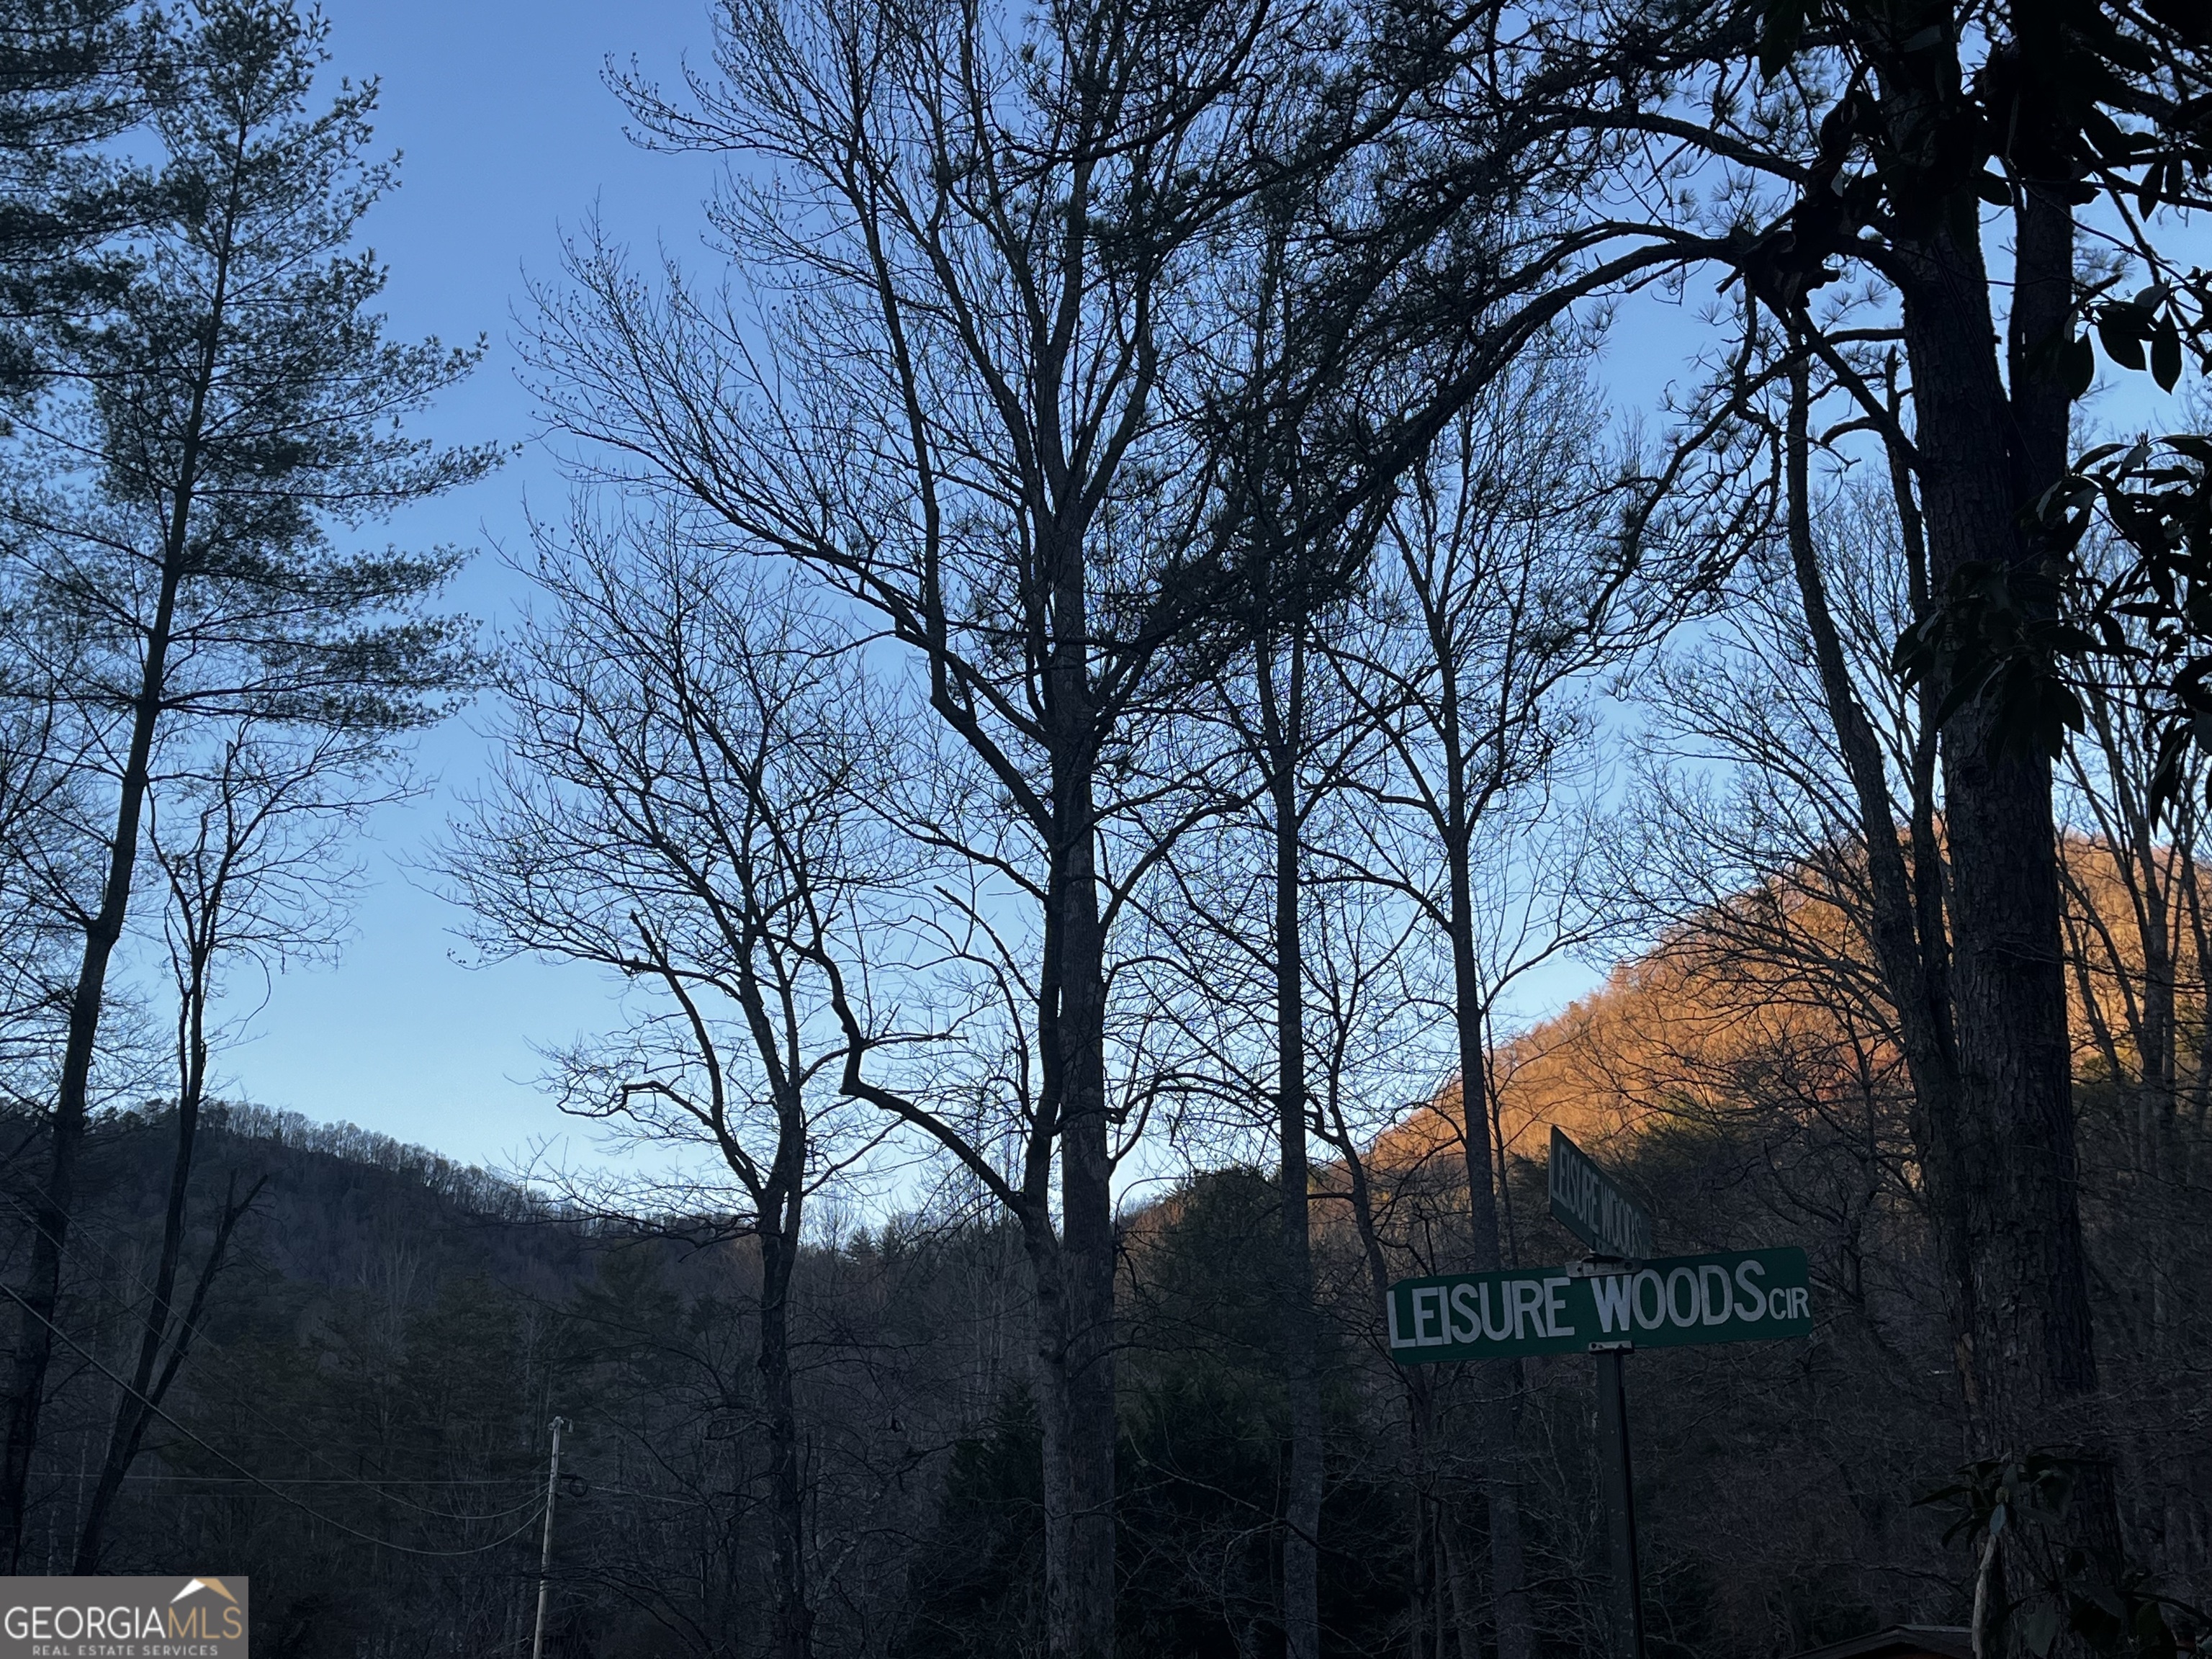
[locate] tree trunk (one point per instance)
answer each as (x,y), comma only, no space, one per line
(1077,1340)
(137,1411)
(1283,719)
(1425,1589)
(1498,1416)
(1905,923)
(794,1632)
(2007,973)
(1465,1617)
(1087,1267)
(57,1200)
(1073,1357)
(56,1203)
(1413,1379)
(1984,455)
(133,1411)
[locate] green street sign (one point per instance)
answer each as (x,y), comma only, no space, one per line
(1731,1296)
(1596,1211)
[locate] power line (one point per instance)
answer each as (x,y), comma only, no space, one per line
(113,1265)
(597,1488)
(274,1491)
(178,1475)
(333,1480)
(210,1349)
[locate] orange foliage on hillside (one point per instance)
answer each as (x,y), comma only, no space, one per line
(1772,1001)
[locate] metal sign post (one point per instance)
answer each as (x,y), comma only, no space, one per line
(1619,1479)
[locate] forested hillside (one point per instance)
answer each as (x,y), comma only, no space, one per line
(363,1429)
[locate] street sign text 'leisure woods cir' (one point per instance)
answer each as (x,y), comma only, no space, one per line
(1730,1296)
(1619,1300)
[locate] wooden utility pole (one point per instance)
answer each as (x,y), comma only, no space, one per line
(545,1552)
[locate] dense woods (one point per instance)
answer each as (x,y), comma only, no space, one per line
(1111,635)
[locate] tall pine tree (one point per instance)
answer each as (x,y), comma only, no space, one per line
(174,545)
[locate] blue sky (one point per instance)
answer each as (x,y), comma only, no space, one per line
(506,135)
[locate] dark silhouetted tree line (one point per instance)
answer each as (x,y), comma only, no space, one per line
(1095,662)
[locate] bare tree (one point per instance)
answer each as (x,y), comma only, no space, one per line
(1389,1202)
(39,802)
(1505,584)
(1808,219)
(1230,928)
(2138,943)
(252,847)
(988,239)
(689,797)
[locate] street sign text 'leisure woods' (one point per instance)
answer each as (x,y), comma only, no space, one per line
(1596,1211)
(1620,1299)
(1730,1296)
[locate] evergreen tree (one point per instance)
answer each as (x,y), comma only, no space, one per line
(175,555)
(69,85)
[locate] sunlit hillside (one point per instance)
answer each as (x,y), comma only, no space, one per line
(1773,1003)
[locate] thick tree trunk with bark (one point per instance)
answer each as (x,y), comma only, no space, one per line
(1988,444)
(1283,736)
(1076,1298)
(1499,1380)
(793,1636)
(1087,1250)
(1074,1382)
(2033,1355)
